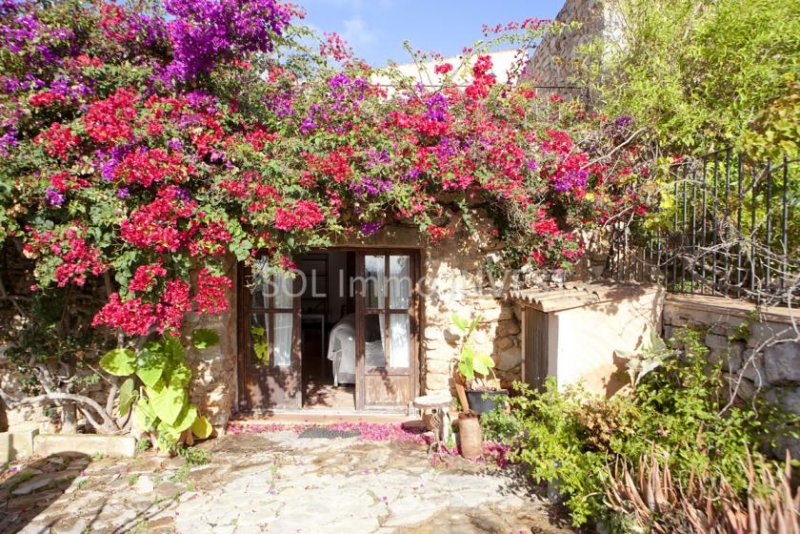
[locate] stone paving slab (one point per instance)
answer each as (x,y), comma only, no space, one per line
(273,482)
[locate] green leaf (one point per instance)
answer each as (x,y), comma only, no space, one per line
(186,419)
(204,338)
(126,397)
(202,427)
(180,376)
(461,322)
(167,437)
(168,402)
(173,350)
(144,416)
(150,375)
(482,363)
(466,362)
(119,362)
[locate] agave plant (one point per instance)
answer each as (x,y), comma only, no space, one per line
(654,501)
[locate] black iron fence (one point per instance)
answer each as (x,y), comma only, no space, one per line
(727,225)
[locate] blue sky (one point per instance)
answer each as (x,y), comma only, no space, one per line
(377,28)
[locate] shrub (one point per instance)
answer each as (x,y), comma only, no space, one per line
(500,425)
(677,412)
(701,72)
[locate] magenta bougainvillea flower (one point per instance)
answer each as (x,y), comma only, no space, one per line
(151,147)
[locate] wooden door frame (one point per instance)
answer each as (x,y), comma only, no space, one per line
(243,308)
(414,322)
(243,317)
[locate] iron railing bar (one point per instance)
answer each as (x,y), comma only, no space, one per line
(703,236)
(675,232)
(768,276)
(739,231)
(785,223)
(753,260)
(697,232)
(714,228)
(683,234)
(726,218)
(694,230)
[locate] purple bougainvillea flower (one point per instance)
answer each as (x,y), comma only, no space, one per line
(623,122)
(371,228)
(436,108)
(174,144)
(53,197)
(205,32)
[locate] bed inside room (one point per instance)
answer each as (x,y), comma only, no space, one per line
(328,337)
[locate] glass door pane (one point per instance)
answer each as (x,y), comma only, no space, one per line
(260,351)
(400,337)
(282,346)
(374,345)
(374,281)
(400,282)
(261,286)
(283,288)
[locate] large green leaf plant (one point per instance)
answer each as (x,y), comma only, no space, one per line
(156,389)
(475,368)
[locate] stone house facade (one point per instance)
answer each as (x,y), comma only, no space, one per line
(453,280)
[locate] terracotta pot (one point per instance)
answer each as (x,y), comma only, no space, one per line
(470,435)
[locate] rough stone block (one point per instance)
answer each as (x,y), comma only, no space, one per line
(675,317)
(766,332)
(509,359)
(720,329)
(504,343)
(730,356)
(437,382)
(782,363)
(438,366)
(716,342)
(17,445)
(787,443)
(507,328)
(89,444)
(433,333)
(746,388)
(787,398)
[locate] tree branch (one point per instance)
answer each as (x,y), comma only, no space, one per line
(108,425)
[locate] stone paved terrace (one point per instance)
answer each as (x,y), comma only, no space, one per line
(272,482)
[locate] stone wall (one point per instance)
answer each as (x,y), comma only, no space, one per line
(759,348)
(557,59)
(214,378)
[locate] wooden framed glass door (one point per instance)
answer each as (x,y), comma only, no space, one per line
(386,328)
(269,351)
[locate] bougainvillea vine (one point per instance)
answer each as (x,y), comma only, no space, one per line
(147,149)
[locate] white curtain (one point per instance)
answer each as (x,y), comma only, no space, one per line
(400,282)
(282,349)
(375,272)
(400,333)
(284,299)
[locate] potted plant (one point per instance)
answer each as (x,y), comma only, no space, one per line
(475,371)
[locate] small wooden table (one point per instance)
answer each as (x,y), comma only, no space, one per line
(439,406)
